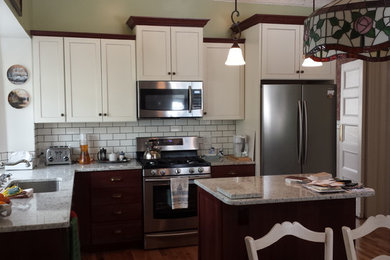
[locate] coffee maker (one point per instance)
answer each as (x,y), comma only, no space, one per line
(240,146)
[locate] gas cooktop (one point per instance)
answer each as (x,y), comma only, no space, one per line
(174,162)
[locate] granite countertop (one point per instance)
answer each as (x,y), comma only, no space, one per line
(50,209)
(269,189)
(226,160)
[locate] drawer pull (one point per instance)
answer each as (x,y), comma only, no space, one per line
(115,179)
(116,196)
(117,231)
(232,173)
(118,212)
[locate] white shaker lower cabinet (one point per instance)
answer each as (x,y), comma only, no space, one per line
(83,80)
(49,83)
(223,85)
(282,54)
(118,80)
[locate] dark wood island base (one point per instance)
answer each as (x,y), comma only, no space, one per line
(222,227)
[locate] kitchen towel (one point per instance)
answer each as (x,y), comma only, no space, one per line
(179,192)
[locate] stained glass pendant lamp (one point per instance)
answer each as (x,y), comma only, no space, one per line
(235,57)
(349,29)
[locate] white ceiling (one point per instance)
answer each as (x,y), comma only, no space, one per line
(9,25)
(303,3)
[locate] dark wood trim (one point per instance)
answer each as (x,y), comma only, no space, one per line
(82,35)
(222,40)
(161,21)
(270,18)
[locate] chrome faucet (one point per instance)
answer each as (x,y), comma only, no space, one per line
(2,164)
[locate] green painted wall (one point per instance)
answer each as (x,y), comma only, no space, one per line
(110,16)
(25,19)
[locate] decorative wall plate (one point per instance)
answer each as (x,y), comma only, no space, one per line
(19,98)
(17,74)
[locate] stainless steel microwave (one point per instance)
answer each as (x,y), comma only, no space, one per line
(169,99)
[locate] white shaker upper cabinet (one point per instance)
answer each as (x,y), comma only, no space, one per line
(83,80)
(169,53)
(49,83)
(282,54)
(118,80)
(223,85)
(187,55)
(153,52)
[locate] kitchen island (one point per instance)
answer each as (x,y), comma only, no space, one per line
(224,222)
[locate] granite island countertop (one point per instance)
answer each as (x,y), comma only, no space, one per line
(50,210)
(226,160)
(272,189)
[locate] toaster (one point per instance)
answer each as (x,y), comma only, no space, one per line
(58,155)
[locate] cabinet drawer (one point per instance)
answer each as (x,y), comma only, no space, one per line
(233,171)
(108,179)
(117,212)
(115,196)
(115,233)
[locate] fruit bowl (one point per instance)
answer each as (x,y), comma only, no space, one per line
(5,209)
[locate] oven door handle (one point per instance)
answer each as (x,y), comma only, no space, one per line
(167,179)
(173,234)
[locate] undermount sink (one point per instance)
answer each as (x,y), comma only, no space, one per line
(39,186)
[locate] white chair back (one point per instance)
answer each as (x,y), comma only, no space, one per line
(371,224)
(295,229)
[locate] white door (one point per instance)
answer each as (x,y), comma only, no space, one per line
(83,80)
(153,52)
(49,83)
(280,51)
(350,136)
(118,80)
(223,85)
(187,53)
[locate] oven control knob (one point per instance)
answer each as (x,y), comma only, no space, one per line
(50,159)
(177,171)
(191,170)
(66,158)
(153,172)
(200,169)
(161,172)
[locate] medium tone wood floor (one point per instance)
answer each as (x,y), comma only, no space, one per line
(372,245)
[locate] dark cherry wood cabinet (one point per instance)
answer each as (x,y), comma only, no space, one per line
(109,207)
(222,227)
(241,170)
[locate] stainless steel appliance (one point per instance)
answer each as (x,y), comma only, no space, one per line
(169,99)
(298,127)
(164,226)
(58,155)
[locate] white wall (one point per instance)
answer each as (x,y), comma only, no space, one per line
(16,125)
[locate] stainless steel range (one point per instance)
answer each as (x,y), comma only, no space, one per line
(164,226)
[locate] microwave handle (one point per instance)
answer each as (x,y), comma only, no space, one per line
(190,99)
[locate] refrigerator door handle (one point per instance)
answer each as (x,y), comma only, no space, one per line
(300,131)
(306,135)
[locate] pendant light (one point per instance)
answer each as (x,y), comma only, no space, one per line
(235,57)
(349,29)
(309,62)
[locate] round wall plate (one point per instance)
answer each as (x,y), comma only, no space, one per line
(19,98)
(17,74)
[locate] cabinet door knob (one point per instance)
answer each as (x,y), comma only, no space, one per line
(100,114)
(302,71)
(62,114)
(205,113)
(169,73)
(174,73)
(105,114)
(297,71)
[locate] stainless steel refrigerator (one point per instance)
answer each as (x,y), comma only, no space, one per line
(298,128)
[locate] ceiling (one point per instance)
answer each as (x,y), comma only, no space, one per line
(9,25)
(303,3)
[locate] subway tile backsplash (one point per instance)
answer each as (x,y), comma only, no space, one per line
(116,137)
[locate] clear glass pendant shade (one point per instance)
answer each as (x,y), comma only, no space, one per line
(235,57)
